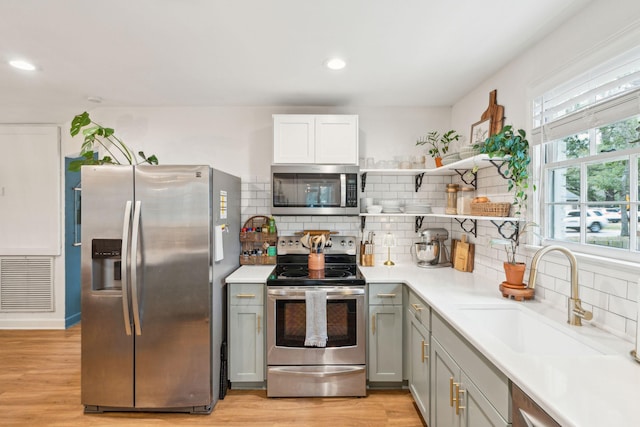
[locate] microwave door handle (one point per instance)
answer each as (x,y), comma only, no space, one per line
(343,190)
(126,223)
(134,268)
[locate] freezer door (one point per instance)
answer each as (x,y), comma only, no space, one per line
(173,350)
(107,349)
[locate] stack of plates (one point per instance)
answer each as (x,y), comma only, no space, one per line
(417,209)
(450,158)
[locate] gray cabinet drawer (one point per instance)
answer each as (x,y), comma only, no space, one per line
(420,309)
(246,293)
(385,293)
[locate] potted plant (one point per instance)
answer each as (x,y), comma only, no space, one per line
(513,147)
(513,270)
(439,143)
(116,150)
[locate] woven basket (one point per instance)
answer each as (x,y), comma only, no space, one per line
(490,209)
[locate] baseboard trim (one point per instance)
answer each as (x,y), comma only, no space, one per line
(32,324)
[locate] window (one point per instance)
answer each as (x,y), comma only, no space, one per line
(590,171)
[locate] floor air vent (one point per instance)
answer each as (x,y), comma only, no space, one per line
(26,284)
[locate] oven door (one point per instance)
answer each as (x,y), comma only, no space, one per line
(286,327)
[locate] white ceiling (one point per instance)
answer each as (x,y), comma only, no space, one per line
(258,52)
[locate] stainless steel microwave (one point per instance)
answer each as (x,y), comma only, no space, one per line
(314,190)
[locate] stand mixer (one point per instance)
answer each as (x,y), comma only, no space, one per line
(430,251)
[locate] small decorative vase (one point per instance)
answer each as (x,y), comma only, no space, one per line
(515,273)
(438,161)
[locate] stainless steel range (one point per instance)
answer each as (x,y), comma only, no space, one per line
(337,368)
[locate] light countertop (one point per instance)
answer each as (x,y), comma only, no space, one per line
(250,274)
(583,391)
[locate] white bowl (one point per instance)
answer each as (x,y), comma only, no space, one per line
(374,209)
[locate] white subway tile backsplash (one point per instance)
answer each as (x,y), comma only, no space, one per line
(612,294)
(610,285)
(623,307)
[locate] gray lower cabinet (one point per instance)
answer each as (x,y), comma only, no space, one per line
(385,332)
(246,325)
(418,340)
(466,389)
(419,355)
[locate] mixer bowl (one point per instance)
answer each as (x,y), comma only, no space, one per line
(425,252)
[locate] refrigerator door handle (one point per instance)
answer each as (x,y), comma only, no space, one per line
(134,268)
(126,223)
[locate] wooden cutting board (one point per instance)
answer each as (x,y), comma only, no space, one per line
(462,254)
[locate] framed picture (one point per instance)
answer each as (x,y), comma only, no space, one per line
(480,131)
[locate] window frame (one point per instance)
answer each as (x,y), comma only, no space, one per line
(544,203)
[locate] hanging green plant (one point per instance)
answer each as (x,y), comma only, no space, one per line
(116,151)
(513,148)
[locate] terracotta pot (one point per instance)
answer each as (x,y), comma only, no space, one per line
(514,272)
(438,161)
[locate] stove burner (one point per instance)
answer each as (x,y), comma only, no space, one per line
(300,275)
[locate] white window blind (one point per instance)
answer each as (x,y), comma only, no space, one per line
(598,96)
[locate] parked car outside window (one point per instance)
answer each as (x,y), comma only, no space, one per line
(594,222)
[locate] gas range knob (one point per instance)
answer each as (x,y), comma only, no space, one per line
(283,243)
(350,243)
(290,242)
(343,243)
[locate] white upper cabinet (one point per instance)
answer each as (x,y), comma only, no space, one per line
(320,139)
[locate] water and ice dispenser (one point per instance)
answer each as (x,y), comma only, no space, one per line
(105,255)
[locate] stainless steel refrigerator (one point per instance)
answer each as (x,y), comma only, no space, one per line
(152,285)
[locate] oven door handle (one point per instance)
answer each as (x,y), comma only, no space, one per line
(299,293)
(344,370)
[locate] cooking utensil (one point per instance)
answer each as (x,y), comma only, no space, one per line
(304,241)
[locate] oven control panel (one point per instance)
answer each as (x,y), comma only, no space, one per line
(336,244)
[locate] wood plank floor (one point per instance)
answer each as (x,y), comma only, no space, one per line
(40,386)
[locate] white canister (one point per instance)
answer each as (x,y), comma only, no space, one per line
(465,196)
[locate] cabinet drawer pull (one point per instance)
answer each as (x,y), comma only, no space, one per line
(425,353)
(245,295)
(259,323)
(373,324)
(386,295)
(451,391)
(416,307)
(457,399)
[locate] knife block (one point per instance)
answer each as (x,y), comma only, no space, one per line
(367,258)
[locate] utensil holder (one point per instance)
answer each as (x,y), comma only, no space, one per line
(316,261)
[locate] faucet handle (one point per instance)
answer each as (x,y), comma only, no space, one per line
(581,312)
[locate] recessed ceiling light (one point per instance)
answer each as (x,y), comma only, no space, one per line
(22,65)
(335,64)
